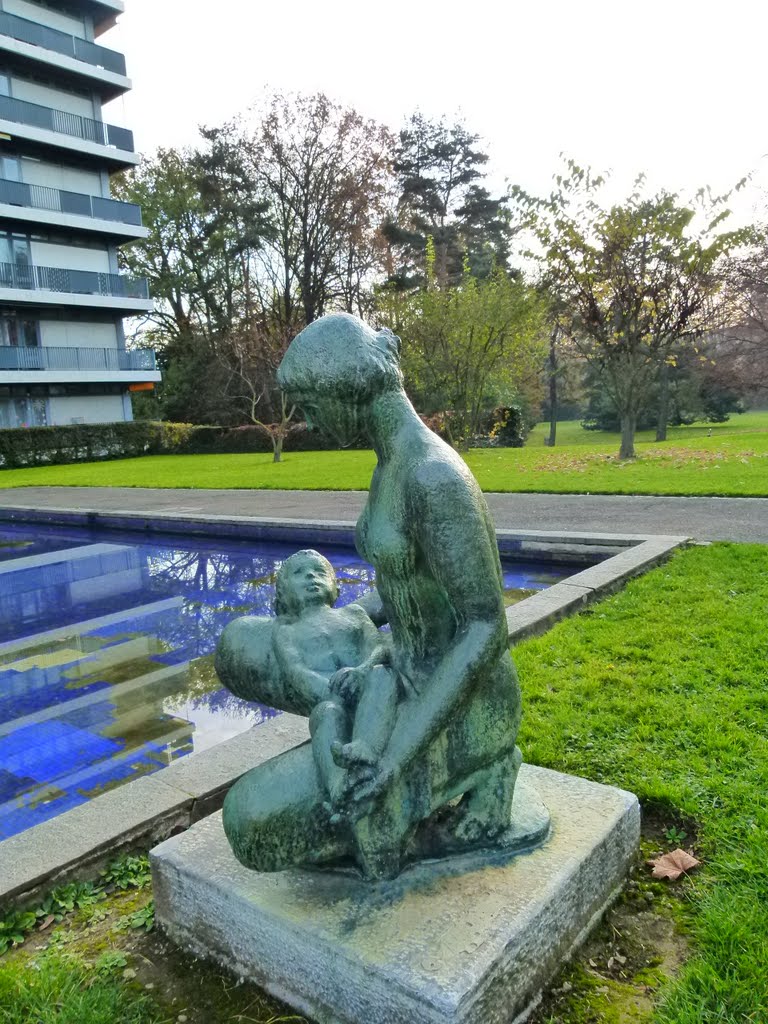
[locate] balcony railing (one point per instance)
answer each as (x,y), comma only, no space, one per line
(46,358)
(64,123)
(61,42)
(40,197)
(75,282)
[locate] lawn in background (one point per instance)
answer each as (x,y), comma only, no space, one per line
(732,461)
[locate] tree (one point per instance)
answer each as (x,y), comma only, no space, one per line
(263,227)
(740,348)
(203,234)
(637,279)
(204,230)
(326,173)
(440,170)
(251,357)
(468,348)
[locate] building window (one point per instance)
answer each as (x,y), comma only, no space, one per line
(10,168)
(16,333)
(23,412)
(15,249)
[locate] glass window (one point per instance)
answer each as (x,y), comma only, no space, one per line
(15,249)
(10,168)
(23,412)
(5,85)
(29,412)
(37,412)
(19,333)
(29,333)
(21,251)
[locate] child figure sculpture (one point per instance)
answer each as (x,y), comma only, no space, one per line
(336,661)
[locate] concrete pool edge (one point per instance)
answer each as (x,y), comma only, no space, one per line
(84,838)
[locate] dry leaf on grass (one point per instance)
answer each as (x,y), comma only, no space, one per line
(672,865)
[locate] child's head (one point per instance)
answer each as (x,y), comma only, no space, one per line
(303,580)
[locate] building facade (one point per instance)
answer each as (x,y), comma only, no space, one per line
(62,300)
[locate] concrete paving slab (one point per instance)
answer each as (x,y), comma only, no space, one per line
(537,613)
(609,575)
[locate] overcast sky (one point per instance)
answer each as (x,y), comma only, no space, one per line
(678,89)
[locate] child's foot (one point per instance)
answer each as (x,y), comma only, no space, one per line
(336,786)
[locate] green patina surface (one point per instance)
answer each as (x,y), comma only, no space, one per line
(401,727)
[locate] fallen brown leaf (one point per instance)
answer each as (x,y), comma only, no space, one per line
(47,922)
(672,865)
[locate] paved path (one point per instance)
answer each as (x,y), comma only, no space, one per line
(739,519)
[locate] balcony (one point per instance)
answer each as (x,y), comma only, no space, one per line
(72,204)
(86,359)
(62,123)
(60,42)
(75,282)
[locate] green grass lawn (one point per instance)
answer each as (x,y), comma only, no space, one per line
(663,690)
(733,461)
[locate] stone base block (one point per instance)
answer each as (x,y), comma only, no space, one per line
(466,940)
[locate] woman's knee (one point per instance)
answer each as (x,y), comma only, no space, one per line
(273,816)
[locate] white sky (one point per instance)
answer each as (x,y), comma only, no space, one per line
(677,88)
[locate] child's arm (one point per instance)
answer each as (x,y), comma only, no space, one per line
(347,682)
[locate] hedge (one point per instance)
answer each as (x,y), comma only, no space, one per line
(86,442)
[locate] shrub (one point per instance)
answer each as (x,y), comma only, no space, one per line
(510,427)
(86,442)
(78,442)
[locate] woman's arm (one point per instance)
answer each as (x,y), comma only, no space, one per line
(373,608)
(457,547)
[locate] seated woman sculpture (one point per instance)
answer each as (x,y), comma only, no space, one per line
(337,660)
(427,532)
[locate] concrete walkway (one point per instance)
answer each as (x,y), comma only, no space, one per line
(738,519)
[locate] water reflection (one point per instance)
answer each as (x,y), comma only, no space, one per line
(106,654)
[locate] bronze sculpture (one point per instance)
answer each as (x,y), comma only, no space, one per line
(440,777)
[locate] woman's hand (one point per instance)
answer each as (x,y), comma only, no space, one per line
(368,781)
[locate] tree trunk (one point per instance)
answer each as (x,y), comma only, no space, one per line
(280,432)
(552,390)
(628,427)
(661,424)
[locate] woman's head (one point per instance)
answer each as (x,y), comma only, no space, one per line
(337,365)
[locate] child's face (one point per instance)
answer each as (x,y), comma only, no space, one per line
(311,581)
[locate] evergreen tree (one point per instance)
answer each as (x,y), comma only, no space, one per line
(440,172)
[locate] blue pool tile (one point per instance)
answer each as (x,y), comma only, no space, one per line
(46,750)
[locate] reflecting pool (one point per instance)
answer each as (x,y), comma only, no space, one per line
(106,653)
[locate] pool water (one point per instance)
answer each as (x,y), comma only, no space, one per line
(106,653)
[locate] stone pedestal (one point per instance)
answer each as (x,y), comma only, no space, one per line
(464,941)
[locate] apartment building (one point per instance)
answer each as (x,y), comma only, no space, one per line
(62,300)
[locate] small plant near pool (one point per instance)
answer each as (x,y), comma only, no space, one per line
(129,871)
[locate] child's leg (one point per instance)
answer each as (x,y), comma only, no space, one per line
(329,728)
(374,720)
